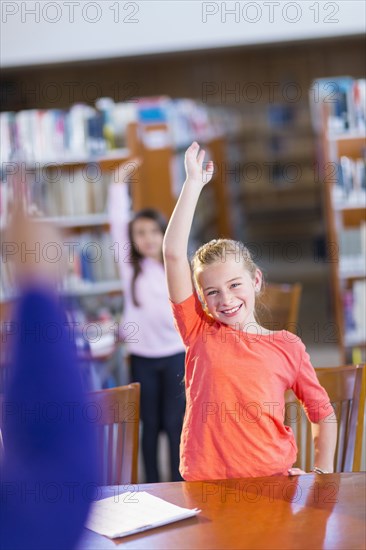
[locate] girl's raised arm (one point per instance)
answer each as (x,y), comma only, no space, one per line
(175,245)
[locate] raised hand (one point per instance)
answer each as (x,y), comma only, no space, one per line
(193,163)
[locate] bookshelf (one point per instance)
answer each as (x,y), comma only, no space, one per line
(61,163)
(341,128)
(76,203)
(276,173)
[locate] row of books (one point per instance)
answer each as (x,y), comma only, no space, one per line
(90,257)
(57,135)
(350,185)
(285,148)
(71,192)
(263,120)
(93,260)
(354,303)
(342,101)
(352,250)
(186,119)
(273,148)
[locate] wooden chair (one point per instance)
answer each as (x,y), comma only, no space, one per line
(343,385)
(279,306)
(117,412)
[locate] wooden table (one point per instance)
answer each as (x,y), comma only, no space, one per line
(309,511)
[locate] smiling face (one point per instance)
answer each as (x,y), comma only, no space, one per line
(147,238)
(228,290)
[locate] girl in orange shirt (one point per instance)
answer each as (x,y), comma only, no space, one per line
(237,372)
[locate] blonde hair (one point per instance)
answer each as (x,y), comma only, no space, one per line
(216,251)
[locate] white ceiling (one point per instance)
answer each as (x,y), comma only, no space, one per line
(50,32)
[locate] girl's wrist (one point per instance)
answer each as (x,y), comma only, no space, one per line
(197,183)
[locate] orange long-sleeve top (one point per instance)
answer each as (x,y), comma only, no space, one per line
(235,392)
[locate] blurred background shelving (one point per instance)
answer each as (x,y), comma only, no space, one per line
(341,127)
(283,218)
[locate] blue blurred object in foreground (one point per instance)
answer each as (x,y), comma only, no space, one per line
(49,469)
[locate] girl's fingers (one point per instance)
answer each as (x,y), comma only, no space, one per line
(194,162)
(201,156)
(193,147)
(295,472)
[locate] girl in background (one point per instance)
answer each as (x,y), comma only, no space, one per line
(155,349)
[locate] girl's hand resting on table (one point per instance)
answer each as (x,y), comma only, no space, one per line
(193,163)
(296,472)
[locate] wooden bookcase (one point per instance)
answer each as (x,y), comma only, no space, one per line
(80,224)
(82,291)
(278,190)
(342,216)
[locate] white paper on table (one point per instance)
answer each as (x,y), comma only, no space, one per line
(132,512)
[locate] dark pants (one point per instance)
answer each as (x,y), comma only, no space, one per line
(162,408)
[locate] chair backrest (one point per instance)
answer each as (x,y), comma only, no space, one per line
(343,385)
(279,306)
(117,413)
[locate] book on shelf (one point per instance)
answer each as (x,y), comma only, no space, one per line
(56,136)
(354,304)
(281,115)
(83,132)
(189,121)
(279,118)
(91,260)
(186,120)
(277,148)
(350,185)
(352,250)
(75,192)
(342,100)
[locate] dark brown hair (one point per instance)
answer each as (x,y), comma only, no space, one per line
(136,257)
